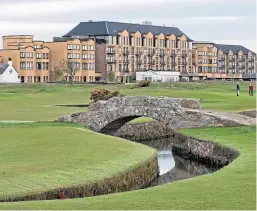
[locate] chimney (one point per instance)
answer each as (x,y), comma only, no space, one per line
(10,61)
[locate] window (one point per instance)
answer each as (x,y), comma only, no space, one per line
(84,56)
(45,65)
(26,65)
(84,66)
(45,55)
(29,55)
(84,47)
(29,65)
(22,55)
(38,55)
(38,65)
(74,65)
(73,56)
(23,65)
(69,47)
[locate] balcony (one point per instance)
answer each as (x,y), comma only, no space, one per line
(251,60)
(126,61)
(150,53)
(138,53)
(111,61)
(110,52)
(184,55)
(125,52)
(241,60)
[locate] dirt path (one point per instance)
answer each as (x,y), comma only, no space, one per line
(231,116)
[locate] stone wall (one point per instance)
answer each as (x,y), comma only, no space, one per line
(144,131)
(152,130)
(249,113)
(206,152)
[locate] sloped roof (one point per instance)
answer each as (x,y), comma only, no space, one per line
(105,28)
(3,67)
(233,48)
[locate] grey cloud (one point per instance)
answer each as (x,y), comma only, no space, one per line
(166,10)
(26,1)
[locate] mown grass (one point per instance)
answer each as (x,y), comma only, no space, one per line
(232,188)
(38,157)
(37,102)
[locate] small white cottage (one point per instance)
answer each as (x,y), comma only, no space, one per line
(8,74)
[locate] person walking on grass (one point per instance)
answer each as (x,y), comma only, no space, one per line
(250,90)
(237,89)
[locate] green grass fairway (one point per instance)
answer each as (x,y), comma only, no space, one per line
(232,188)
(37,102)
(44,156)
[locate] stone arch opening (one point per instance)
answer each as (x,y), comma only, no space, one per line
(112,127)
(112,121)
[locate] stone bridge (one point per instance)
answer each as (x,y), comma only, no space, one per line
(109,116)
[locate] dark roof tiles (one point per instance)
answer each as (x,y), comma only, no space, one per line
(233,48)
(106,28)
(3,67)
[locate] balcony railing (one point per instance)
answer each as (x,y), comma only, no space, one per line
(150,53)
(110,52)
(138,53)
(111,61)
(125,52)
(241,60)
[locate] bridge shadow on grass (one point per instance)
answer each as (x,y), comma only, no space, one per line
(75,106)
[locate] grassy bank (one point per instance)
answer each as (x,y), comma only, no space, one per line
(232,188)
(38,102)
(39,157)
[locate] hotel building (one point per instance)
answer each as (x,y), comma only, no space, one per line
(223,61)
(125,48)
(98,48)
(36,61)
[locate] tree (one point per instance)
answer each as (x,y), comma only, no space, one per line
(111,76)
(65,69)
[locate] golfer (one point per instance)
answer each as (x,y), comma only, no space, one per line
(237,89)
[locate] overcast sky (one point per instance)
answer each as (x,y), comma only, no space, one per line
(221,21)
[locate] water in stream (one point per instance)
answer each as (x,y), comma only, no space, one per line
(173,167)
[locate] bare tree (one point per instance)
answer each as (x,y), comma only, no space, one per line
(66,69)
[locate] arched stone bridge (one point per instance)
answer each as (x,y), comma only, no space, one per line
(109,116)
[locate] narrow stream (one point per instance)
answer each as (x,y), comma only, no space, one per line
(173,167)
